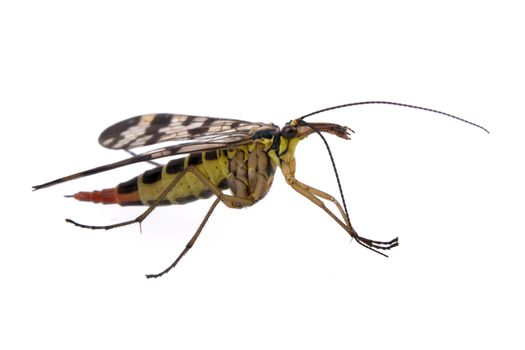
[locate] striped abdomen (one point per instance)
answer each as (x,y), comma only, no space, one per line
(247,171)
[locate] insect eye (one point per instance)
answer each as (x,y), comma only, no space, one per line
(289,131)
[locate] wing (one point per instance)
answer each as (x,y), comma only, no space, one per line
(182,148)
(149,129)
(209,134)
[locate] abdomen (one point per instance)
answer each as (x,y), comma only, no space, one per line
(150,185)
(247,171)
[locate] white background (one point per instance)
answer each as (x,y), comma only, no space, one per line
(279,274)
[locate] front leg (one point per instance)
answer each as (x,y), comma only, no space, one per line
(288,170)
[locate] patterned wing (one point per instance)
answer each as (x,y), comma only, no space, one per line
(208,134)
(149,129)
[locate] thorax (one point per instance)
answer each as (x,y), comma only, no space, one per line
(251,170)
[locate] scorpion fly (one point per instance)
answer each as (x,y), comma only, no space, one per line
(222,154)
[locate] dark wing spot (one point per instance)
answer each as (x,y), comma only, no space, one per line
(188,121)
(209,121)
(202,129)
(198,131)
(115,131)
(159,121)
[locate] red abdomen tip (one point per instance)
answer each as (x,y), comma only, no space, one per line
(107,196)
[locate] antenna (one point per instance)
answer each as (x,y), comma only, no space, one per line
(394,104)
(373,245)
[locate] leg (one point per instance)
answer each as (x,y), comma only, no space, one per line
(190,243)
(324,195)
(142,216)
(312,194)
(230,201)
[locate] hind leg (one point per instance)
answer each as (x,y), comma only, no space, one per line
(228,200)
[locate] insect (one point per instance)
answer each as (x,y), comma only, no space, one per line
(222,154)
